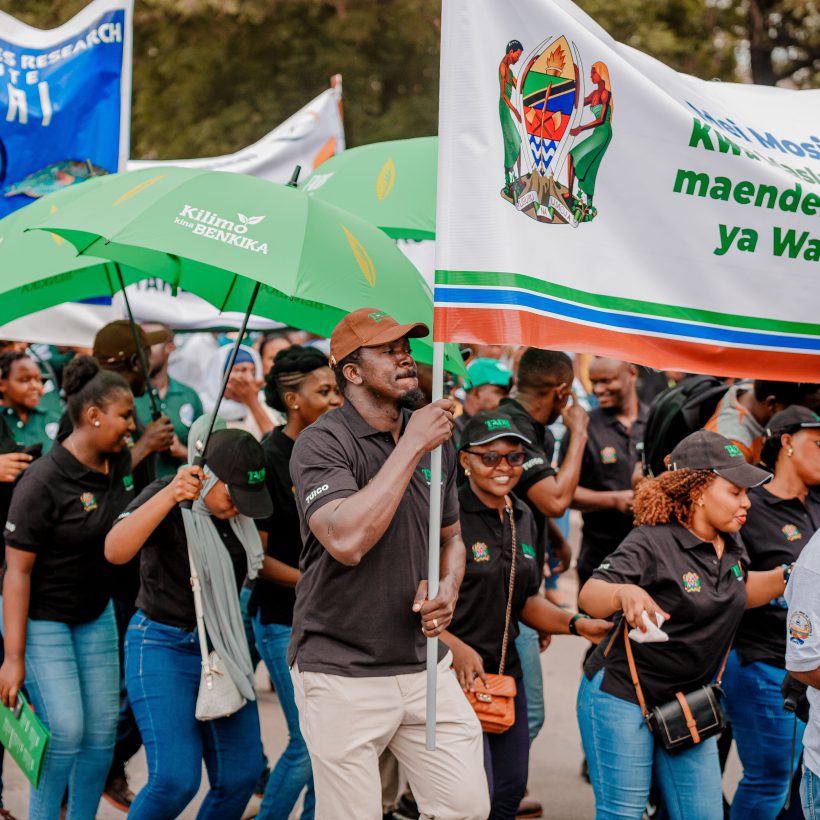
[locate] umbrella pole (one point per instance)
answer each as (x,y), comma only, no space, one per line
(199,459)
(434,555)
(152,393)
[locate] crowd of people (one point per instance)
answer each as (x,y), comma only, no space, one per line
(150,567)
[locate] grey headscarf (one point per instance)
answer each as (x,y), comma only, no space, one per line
(220,603)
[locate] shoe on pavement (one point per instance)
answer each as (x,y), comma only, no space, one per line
(117,793)
(530,808)
(407,808)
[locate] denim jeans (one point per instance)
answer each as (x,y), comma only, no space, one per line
(810,794)
(526,644)
(623,759)
(72,681)
(292,771)
(507,761)
(162,672)
(763,733)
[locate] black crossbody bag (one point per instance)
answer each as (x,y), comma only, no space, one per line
(687,720)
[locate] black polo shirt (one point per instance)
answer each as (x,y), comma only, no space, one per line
(608,463)
(165,592)
(537,466)
(358,621)
(125,577)
(482,599)
(705,596)
(62,510)
(275,602)
(7,445)
(775,532)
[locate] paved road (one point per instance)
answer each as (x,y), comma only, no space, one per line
(555,763)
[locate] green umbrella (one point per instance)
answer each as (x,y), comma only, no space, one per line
(389,184)
(217,234)
(39,270)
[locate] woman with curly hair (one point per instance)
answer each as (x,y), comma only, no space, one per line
(685,566)
(302,386)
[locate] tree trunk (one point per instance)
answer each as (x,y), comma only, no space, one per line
(760,44)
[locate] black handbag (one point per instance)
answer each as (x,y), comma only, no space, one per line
(689,719)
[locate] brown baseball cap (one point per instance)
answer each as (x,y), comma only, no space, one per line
(115,341)
(369,327)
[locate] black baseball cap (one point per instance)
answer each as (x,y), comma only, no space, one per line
(705,450)
(237,458)
(793,418)
(487,426)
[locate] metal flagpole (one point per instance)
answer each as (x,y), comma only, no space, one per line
(434,558)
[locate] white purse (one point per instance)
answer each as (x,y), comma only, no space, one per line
(218,695)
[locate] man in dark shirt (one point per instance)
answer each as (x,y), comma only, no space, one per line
(362,476)
(604,492)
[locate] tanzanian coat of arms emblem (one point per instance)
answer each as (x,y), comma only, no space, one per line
(556,125)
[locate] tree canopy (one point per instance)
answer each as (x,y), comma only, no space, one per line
(212,76)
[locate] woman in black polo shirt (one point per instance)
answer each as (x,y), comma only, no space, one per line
(163,665)
(58,622)
(686,563)
(785,513)
(492,456)
(301,385)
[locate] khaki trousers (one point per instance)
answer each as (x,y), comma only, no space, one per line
(348,722)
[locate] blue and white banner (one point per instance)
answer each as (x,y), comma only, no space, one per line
(65,101)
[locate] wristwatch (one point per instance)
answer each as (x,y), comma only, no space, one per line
(573,629)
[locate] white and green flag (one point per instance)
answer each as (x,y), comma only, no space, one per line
(590,198)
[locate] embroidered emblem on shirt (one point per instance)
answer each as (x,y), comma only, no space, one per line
(609,455)
(186,414)
(128,482)
(791,532)
(737,571)
(481,551)
(691,582)
(10,526)
(89,502)
(528,551)
(799,628)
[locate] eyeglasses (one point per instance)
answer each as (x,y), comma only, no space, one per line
(493,459)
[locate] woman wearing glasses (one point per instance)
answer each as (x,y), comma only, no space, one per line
(499,533)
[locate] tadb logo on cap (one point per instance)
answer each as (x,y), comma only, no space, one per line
(733,450)
(256,476)
(498,424)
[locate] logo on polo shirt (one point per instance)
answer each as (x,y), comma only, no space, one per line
(89,502)
(737,571)
(609,455)
(128,481)
(317,492)
(481,552)
(256,476)
(799,628)
(529,552)
(428,474)
(186,414)
(11,526)
(691,582)
(533,462)
(791,532)
(51,429)
(733,450)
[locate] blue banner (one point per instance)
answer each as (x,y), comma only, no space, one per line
(64,101)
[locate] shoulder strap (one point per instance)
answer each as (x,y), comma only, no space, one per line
(200,616)
(722,669)
(634,672)
(505,640)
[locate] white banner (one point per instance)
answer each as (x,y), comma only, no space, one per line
(307,138)
(590,198)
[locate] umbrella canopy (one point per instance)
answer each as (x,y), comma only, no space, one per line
(389,184)
(216,234)
(40,270)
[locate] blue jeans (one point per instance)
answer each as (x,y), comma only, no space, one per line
(763,733)
(292,771)
(507,761)
(810,794)
(72,681)
(162,672)
(623,759)
(526,644)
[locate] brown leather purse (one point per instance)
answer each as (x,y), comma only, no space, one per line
(495,704)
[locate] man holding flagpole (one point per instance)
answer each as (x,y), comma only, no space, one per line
(362,478)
